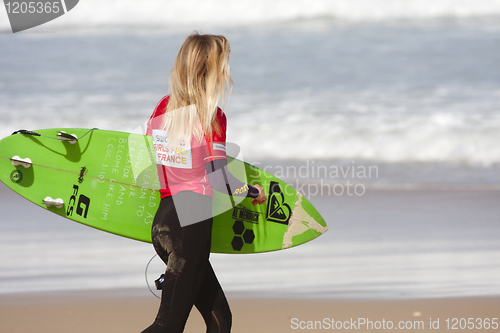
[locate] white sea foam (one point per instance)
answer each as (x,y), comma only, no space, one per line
(172,13)
(388,126)
(334,125)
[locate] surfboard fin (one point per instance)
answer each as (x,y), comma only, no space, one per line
(71,138)
(25,162)
(49,202)
(23,131)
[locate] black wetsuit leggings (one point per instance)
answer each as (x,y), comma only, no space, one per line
(189,278)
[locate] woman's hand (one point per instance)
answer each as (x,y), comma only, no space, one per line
(261,198)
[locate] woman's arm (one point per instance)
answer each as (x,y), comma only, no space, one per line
(223,181)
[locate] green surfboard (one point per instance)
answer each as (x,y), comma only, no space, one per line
(108,180)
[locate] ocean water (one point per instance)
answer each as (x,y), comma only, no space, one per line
(323,91)
(382,245)
(395,94)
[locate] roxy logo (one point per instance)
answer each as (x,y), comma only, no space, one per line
(277,210)
(26,14)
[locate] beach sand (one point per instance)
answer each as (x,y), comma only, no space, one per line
(119,311)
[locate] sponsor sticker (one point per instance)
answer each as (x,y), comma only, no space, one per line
(177,157)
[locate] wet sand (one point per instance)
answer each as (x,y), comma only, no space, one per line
(119,311)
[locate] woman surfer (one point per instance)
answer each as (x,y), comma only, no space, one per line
(189,132)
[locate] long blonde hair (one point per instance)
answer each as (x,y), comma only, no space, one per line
(197,82)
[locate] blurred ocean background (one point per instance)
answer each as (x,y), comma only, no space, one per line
(410,88)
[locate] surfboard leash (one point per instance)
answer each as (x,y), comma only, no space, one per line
(158,282)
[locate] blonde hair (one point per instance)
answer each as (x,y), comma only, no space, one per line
(198,80)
